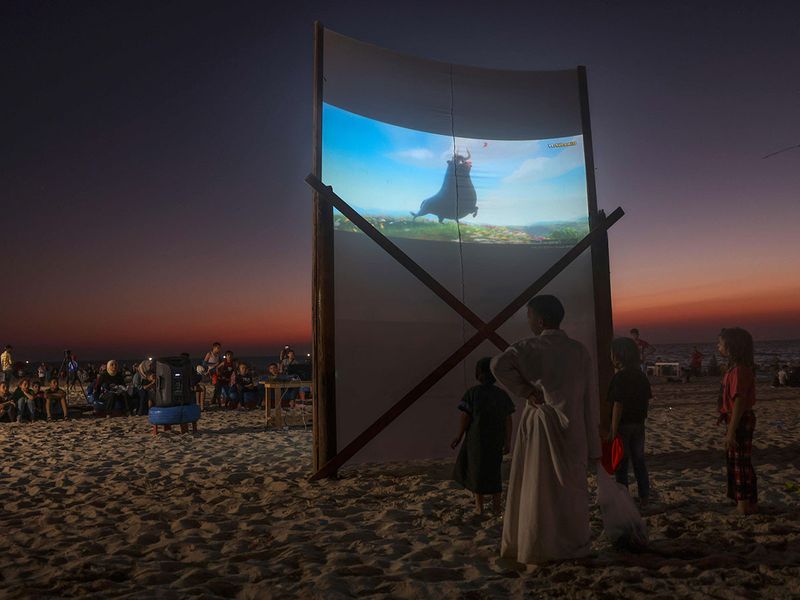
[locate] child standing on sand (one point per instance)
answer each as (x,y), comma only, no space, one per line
(486,422)
(738,399)
(629,393)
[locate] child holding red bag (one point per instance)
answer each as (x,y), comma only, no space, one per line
(630,394)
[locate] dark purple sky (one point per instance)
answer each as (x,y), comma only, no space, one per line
(153,159)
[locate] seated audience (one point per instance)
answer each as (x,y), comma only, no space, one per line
(55,394)
(38,398)
(244,387)
(272,374)
(110,388)
(8,408)
(24,398)
(142,388)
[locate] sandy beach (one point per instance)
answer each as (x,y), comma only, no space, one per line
(101,508)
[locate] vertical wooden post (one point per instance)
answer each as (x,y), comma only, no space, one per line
(322,307)
(601,269)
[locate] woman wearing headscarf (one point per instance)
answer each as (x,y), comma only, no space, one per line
(111,387)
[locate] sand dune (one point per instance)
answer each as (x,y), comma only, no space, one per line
(100,508)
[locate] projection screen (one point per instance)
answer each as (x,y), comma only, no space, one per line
(479,176)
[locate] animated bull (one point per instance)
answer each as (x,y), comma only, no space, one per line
(456,198)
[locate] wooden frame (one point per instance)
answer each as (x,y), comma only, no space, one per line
(601,268)
(322,301)
(326,460)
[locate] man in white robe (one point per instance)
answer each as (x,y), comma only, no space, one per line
(547,507)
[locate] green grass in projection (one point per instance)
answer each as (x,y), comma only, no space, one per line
(419,185)
(402,227)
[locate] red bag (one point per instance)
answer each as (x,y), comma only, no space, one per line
(612,454)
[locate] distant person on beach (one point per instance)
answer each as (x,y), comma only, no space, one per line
(288,358)
(738,399)
(52,394)
(645,349)
(41,372)
(485,427)
(25,400)
(7,365)
(72,371)
(713,365)
(695,365)
(783,375)
(225,372)
(629,393)
(547,509)
(284,353)
(794,376)
(8,408)
(212,360)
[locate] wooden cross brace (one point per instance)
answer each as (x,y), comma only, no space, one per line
(483,332)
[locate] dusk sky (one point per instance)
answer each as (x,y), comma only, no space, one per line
(153,158)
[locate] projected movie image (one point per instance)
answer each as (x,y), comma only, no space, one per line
(420,185)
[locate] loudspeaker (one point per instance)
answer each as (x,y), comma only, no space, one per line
(173,381)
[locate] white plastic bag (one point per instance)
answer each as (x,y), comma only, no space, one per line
(622,523)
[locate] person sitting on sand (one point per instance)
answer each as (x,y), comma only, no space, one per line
(485,426)
(244,387)
(265,395)
(53,393)
(196,382)
(24,398)
(738,399)
(111,387)
(38,398)
(141,393)
(8,408)
(629,393)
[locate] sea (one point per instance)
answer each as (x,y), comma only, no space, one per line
(767,354)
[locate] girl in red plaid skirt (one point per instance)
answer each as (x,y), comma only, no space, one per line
(738,398)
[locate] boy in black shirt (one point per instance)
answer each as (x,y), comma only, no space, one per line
(630,394)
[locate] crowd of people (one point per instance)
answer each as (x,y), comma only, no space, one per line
(560,433)
(31,394)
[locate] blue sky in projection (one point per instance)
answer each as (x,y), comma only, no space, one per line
(385,170)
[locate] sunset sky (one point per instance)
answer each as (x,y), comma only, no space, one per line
(153,159)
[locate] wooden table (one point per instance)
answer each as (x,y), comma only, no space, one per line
(279,386)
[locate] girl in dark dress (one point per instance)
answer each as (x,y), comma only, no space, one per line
(486,421)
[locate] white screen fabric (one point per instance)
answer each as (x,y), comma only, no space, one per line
(504,149)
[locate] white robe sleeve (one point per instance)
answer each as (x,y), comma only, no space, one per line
(508,370)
